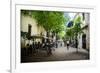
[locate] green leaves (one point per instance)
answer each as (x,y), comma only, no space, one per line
(51,21)
(76,29)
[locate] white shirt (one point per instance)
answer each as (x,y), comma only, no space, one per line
(67,42)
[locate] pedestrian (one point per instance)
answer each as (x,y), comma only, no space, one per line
(67,44)
(27,49)
(38,46)
(30,49)
(49,50)
(33,47)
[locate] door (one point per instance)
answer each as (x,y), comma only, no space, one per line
(84,41)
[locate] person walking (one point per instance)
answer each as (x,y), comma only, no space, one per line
(67,44)
(33,47)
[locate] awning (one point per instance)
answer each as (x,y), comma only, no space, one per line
(36,36)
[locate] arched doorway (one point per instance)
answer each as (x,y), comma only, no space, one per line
(84,41)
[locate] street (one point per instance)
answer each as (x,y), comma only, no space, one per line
(45,35)
(58,54)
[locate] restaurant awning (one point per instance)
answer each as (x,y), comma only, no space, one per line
(36,37)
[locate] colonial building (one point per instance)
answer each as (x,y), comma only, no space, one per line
(83,39)
(30,31)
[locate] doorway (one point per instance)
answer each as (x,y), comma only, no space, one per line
(84,41)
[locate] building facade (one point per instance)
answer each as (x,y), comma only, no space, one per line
(84,38)
(30,28)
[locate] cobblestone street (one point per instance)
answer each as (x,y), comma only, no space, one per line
(58,54)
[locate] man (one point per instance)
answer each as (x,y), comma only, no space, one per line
(67,45)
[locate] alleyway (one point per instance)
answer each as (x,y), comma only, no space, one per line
(58,54)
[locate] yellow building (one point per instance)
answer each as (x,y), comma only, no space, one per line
(29,25)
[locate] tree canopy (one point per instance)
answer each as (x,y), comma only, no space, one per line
(76,28)
(51,21)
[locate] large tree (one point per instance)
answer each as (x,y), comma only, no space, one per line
(51,21)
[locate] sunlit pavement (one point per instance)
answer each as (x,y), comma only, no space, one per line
(58,54)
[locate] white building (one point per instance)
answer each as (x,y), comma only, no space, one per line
(83,39)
